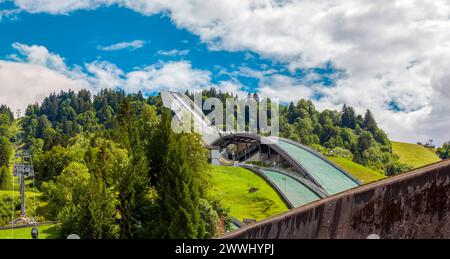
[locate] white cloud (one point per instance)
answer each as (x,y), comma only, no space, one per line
(37,72)
(168,76)
(137,44)
(173,53)
(60,7)
(39,55)
(104,75)
(285,88)
(390,50)
(34,74)
(23,84)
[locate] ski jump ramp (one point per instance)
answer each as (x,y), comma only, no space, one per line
(299,174)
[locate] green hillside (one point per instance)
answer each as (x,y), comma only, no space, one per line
(232,186)
(364,174)
(414,155)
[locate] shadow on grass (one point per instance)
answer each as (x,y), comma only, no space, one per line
(52,232)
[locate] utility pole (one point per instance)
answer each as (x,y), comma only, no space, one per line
(23,168)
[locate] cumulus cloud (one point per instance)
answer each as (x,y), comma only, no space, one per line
(39,55)
(393,52)
(168,76)
(36,72)
(285,88)
(104,75)
(23,84)
(136,44)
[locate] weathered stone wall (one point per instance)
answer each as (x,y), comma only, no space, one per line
(412,205)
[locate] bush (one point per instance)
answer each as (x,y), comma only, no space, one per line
(341,152)
(444,151)
(211,219)
(397,167)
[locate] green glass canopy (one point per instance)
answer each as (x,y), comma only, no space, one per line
(329,177)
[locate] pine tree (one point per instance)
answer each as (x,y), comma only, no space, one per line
(369,123)
(181,182)
(133,189)
(93,215)
(179,193)
(348,117)
(158,145)
(292,113)
(133,183)
(140,96)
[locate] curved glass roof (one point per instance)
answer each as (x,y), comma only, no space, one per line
(297,193)
(332,180)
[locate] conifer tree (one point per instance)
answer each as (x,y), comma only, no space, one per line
(179,192)
(369,122)
(348,117)
(133,183)
(182,182)
(158,146)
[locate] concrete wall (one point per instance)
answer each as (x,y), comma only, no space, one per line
(412,205)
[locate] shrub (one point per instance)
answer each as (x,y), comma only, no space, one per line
(342,152)
(397,167)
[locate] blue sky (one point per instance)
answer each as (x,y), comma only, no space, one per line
(83,36)
(384,56)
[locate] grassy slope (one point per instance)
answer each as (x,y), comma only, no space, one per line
(414,155)
(366,175)
(45,232)
(231,186)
